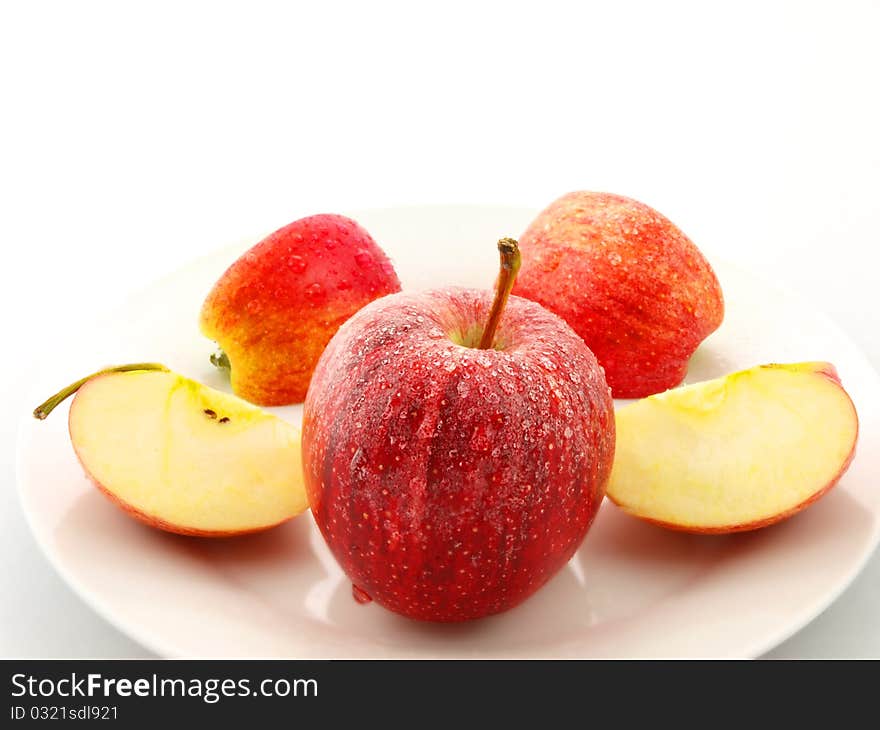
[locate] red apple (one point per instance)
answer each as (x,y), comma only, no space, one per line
(277,306)
(628,281)
(453,467)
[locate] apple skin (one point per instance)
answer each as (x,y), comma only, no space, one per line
(628,281)
(160,524)
(823,370)
(274,310)
(749,526)
(451,482)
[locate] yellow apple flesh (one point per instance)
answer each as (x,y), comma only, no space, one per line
(736,453)
(184,457)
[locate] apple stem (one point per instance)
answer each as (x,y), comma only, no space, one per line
(220,360)
(510,263)
(44,409)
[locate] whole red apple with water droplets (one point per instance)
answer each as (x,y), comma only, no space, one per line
(274,310)
(456,448)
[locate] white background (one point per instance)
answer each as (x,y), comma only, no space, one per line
(134,137)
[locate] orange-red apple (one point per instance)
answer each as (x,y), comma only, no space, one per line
(183,457)
(276,307)
(736,453)
(628,281)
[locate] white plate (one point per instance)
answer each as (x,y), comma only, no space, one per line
(632,590)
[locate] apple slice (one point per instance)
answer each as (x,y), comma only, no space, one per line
(737,453)
(181,456)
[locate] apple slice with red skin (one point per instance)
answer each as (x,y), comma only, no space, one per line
(456,451)
(181,456)
(736,453)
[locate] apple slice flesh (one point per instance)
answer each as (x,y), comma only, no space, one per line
(184,457)
(736,453)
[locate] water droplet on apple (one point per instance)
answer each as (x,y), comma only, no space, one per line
(315,293)
(363,258)
(296,263)
(480,440)
(386,268)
